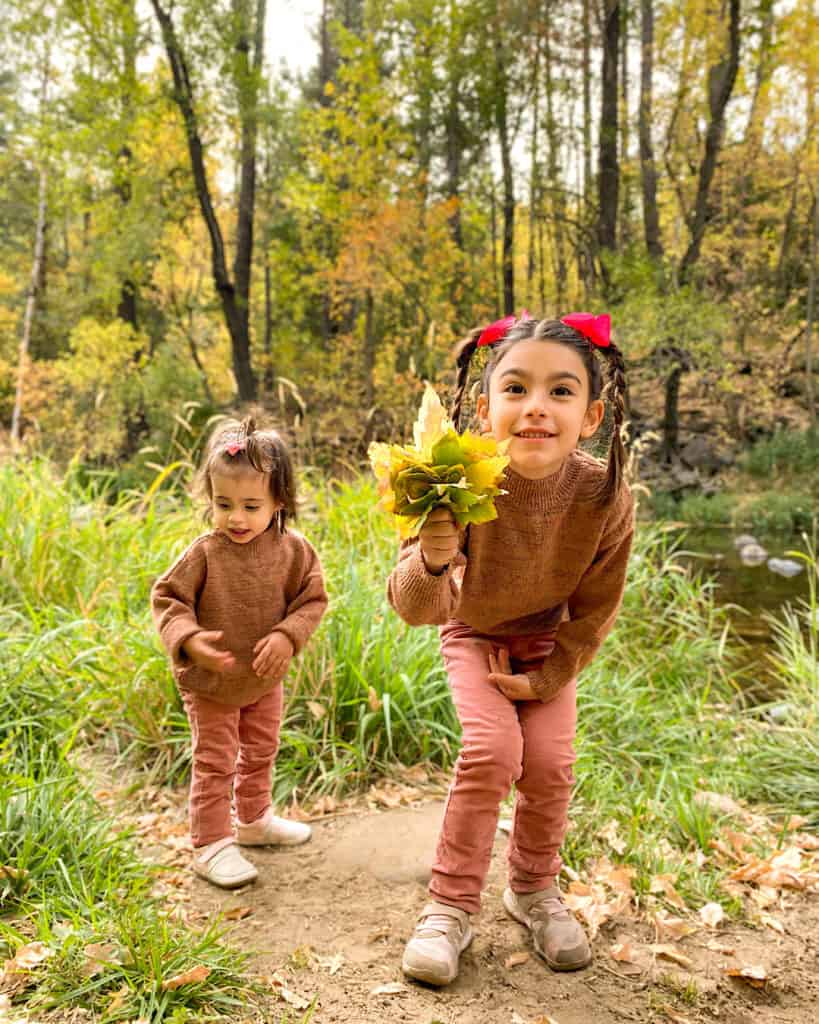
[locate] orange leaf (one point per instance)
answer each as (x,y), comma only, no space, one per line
(191,977)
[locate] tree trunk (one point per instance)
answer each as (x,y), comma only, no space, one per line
(609,171)
(721,78)
(811,311)
(648,172)
(234,307)
(587,111)
(625,200)
(369,350)
(671,418)
(502,127)
(555,184)
(534,170)
(28,316)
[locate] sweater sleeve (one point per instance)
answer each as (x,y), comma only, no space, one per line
(304,612)
(419,597)
(173,601)
(593,607)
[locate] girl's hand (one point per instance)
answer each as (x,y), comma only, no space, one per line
(202,650)
(273,654)
(439,540)
(515,687)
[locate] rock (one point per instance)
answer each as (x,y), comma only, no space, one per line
(698,453)
(750,550)
(753,554)
(784,566)
(778,713)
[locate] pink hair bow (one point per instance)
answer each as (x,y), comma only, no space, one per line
(494,332)
(596,328)
(233,449)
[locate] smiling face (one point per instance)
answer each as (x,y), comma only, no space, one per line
(242,503)
(539,397)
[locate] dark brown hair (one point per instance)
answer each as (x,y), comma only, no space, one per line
(614,390)
(236,445)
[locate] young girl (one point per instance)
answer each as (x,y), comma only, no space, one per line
(523,603)
(232,611)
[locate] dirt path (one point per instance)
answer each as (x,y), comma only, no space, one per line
(329,920)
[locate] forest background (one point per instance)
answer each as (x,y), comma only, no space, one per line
(187,229)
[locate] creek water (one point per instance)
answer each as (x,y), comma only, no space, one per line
(750,593)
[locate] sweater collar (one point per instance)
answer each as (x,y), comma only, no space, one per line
(548,494)
(254,547)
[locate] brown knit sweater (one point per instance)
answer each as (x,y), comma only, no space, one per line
(550,561)
(274,583)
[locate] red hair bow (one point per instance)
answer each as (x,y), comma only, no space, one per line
(234,449)
(494,332)
(596,328)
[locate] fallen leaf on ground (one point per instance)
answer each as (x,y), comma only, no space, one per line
(610,832)
(29,956)
(392,988)
(712,914)
(237,913)
(718,947)
(676,1018)
(515,960)
(415,773)
(97,955)
(190,977)
(592,904)
(772,922)
(333,964)
(668,952)
(668,927)
(622,952)
(663,884)
(279,986)
(754,974)
(117,1000)
(720,802)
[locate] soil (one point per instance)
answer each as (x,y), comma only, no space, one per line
(327,922)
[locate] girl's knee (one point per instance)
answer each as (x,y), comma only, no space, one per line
(498,765)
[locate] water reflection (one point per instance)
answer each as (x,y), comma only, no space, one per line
(750,580)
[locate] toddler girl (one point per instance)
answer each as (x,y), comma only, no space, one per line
(232,611)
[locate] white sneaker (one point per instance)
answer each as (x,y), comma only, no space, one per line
(222,864)
(441,935)
(271,830)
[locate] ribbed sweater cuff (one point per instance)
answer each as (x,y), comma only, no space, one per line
(556,671)
(421,590)
(175,634)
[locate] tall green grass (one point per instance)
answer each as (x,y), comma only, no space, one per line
(660,717)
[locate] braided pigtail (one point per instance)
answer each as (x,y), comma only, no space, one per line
(463,357)
(615,394)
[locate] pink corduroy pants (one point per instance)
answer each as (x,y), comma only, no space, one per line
(233,753)
(526,743)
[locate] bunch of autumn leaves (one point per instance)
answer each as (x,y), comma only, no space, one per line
(441,469)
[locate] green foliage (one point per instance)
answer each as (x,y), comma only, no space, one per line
(787,452)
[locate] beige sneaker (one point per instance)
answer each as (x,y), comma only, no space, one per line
(441,935)
(222,864)
(557,935)
(270,830)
